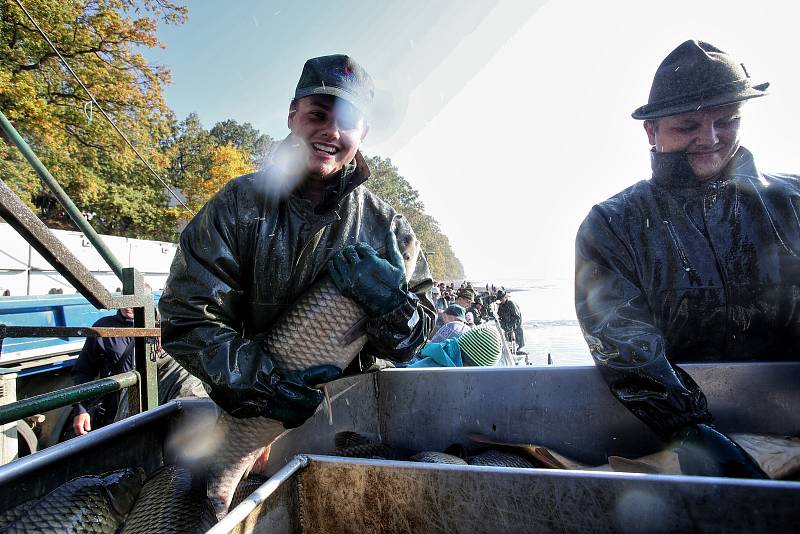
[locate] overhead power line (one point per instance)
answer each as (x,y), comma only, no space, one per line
(100,108)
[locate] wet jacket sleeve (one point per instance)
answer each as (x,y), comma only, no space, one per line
(516,316)
(201,326)
(398,335)
(627,346)
(86,369)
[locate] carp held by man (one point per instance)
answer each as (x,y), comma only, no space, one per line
(322,327)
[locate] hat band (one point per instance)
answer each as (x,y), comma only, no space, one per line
(697,96)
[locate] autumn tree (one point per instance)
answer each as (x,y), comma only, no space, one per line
(101,40)
(204,161)
(244,137)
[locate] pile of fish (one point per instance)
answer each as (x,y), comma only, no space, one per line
(85,504)
(778,456)
(354,445)
(171,500)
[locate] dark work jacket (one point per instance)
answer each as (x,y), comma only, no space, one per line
(509,315)
(674,269)
(102,357)
(249,253)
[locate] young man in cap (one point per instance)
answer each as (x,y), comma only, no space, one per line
(701,262)
(260,242)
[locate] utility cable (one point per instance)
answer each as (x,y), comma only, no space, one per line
(100,108)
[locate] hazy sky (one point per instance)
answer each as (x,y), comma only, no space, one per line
(512,118)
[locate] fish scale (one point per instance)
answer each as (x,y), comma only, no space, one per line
(90,504)
(170,502)
(435,457)
(497,458)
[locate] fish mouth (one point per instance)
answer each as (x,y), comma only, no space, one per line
(324,149)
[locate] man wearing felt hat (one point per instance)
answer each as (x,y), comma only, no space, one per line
(701,262)
(262,240)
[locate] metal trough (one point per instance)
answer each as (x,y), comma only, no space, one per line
(567,409)
(326,495)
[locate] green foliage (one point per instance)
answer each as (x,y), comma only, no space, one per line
(204,161)
(245,138)
(100,39)
(387,183)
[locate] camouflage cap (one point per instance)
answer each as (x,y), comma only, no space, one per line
(337,75)
(466,293)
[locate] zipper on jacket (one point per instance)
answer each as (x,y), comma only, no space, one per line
(308,249)
(675,241)
(720,268)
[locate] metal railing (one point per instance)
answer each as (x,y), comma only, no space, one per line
(67,396)
(35,232)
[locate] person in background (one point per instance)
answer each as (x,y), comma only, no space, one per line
(439,302)
(464,297)
(265,237)
(475,309)
(479,347)
(102,357)
(510,320)
(699,263)
(469,319)
(453,324)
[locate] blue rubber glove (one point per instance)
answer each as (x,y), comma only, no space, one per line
(377,285)
(705,451)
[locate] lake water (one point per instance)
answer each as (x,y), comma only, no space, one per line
(548,320)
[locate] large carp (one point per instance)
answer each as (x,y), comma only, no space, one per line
(171,501)
(322,327)
(777,456)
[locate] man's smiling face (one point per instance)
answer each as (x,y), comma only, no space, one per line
(331,130)
(709,137)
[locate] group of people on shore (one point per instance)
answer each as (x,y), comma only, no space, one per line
(464,314)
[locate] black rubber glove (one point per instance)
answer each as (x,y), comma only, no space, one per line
(377,285)
(291,398)
(705,451)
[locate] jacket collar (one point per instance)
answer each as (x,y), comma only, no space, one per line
(673,170)
(338,187)
(352,175)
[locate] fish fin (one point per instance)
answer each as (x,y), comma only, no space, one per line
(543,456)
(354,332)
(618,463)
(260,464)
(477,437)
(347,438)
(261,453)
